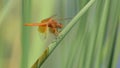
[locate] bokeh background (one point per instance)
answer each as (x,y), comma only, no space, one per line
(94,42)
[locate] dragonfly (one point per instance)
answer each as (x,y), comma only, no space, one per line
(50,23)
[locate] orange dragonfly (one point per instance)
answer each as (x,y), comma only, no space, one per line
(50,23)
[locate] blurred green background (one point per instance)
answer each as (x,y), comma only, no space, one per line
(94,42)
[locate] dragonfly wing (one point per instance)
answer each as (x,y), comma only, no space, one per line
(43,30)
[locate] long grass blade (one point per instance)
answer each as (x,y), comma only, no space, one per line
(26,16)
(53,45)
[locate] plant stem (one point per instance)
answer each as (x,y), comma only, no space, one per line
(26,14)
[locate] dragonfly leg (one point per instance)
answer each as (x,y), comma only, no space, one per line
(55,31)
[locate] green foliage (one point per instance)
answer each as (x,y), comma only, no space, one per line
(89,40)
